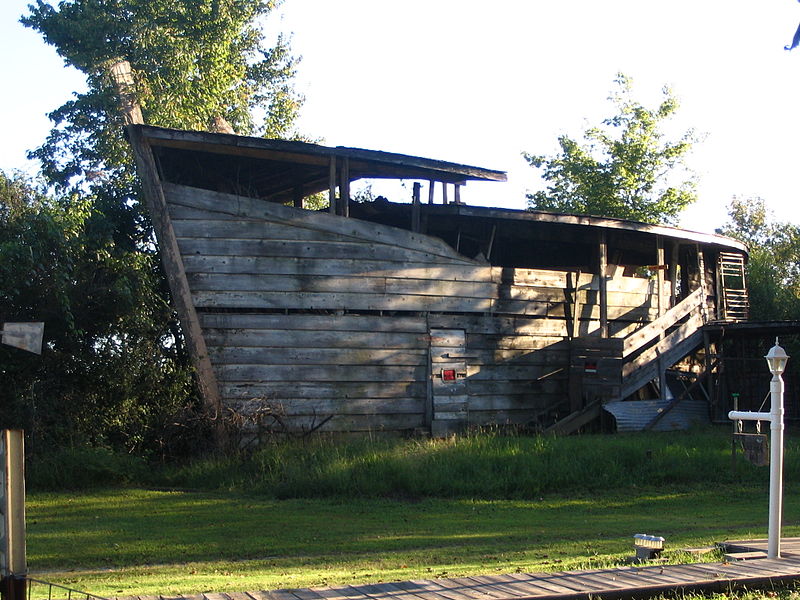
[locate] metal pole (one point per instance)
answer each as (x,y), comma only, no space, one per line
(775,467)
(776,359)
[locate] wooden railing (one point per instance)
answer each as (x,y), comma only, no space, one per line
(647,334)
(650,363)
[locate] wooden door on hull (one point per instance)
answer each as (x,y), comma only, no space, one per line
(449,381)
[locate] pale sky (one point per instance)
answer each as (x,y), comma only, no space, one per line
(478,83)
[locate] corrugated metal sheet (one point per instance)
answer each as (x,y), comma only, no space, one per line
(635,415)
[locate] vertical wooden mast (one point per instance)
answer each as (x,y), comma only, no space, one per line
(168,247)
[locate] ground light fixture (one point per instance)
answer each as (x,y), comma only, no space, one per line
(776,361)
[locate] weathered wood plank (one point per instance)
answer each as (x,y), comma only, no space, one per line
(363,284)
(351,406)
(246,373)
(339,266)
(322,391)
(310,249)
(500,324)
(674,341)
(489,357)
(250,229)
(349,323)
(299,338)
(660,325)
(515,343)
(231,355)
(354,423)
(529,389)
(355,228)
(338,301)
(507,372)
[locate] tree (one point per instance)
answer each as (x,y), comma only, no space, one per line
(773,268)
(195,61)
(626,168)
(108,373)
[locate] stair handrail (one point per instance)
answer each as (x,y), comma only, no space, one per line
(649,332)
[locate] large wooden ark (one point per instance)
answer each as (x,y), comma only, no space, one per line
(426,315)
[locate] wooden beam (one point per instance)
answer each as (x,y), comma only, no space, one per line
(444,192)
(332,186)
(430,191)
(491,242)
(457,193)
(601,269)
(297,196)
(176,276)
(415,207)
(673,274)
(644,335)
(344,188)
(576,305)
(660,275)
(170,254)
(701,267)
(126,89)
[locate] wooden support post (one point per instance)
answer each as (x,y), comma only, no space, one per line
(660,275)
(126,89)
(701,268)
(430,191)
(297,197)
(457,193)
(491,243)
(603,283)
(13,562)
(444,192)
(576,305)
(707,360)
(344,188)
(170,256)
(673,274)
(661,304)
(429,370)
(332,187)
(575,377)
(415,207)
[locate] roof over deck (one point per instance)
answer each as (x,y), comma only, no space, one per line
(280,169)
(284,171)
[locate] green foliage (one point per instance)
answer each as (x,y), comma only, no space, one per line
(476,466)
(398,510)
(625,169)
(192,60)
(83,469)
(142,542)
(773,268)
(110,372)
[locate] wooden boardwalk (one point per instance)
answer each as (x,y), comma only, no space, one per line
(610,583)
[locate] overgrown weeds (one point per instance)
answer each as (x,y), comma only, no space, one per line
(480,465)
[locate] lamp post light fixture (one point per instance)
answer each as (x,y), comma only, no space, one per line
(776,361)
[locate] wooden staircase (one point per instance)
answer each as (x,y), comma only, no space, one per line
(610,369)
(651,350)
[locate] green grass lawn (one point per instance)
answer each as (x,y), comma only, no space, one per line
(136,541)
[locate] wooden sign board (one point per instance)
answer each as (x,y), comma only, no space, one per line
(25,336)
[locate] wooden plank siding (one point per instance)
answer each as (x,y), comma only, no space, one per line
(318,317)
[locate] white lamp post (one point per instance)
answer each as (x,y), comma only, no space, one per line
(776,360)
